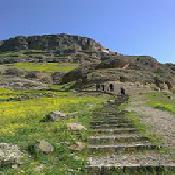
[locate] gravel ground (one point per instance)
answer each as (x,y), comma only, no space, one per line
(161,122)
(126,160)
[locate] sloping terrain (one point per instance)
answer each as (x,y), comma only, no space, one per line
(157,111)
(53,121)
(21,118)
(96,63)
(117,145)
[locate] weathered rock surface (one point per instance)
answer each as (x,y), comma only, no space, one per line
(57,76)
(75,126)
(13,72)
(43,147)
(78,146)
(55,116)
(10,154)
(21,83)
(65,42)
(39,168)
(41,76)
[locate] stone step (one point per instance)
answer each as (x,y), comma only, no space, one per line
(113,131)
(109,111)
(145,161)
(97,123)
(120,125)
(131,169)
(108,114)
(107,120)
(121,148)
(112,139)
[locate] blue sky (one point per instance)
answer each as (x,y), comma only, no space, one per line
(133,27)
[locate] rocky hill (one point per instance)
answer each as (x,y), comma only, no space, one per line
(96,63)
(61,42)
(54,48)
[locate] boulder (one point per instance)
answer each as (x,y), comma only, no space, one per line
(55,116)
(57,76)
(39,168)
(10,154)
(78,146)
(41,76)
(43,147)
(75,126)
(13,72)
(173,90)
(15,166)
(31,75)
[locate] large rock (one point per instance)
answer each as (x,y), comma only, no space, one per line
(78,146)
(39,168)
(13,72)
(55,116)
(43,147)
(41,76)
(57,76)
(75,126)
(10,154)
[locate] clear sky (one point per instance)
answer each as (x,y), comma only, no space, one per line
(133,27)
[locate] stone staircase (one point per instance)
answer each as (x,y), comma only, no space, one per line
(116,147)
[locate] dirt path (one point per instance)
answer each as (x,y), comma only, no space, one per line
(161,122)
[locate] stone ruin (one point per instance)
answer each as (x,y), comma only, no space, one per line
(115,86)
(108,86)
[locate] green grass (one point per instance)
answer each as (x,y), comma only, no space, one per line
(48,67)
(161,101)
(20,124)
(143,128)
(140,126)
(12,54)
(22,53)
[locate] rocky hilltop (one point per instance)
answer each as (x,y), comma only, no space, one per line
(63,42)
(96,62)
(54,48)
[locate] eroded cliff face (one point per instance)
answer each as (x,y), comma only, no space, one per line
(97,63)
(54,48)
(51,42)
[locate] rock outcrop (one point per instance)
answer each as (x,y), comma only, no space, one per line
(43,147)
(75,126)
(63,43)
(55,116)
(10,155)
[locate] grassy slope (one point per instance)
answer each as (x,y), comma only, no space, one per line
(12,54)
(20,124)
(49,67)
(22,53)
(161,101)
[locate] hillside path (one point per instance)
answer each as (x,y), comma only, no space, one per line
(162,123)
(116,146)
